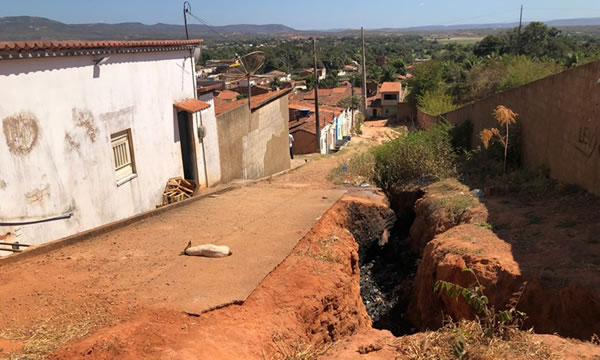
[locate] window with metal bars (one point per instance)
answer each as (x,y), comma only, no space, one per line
(123,155)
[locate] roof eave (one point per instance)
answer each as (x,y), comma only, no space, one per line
(37,54)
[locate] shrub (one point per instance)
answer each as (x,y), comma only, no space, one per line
(357,128)
(435,102)
(355,170)
(461,136)
(425,154)
(493,323)
(522,70)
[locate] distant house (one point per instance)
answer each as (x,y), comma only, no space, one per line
(204,71)
(391,96)
(335,122)
(347,69)
(227,95)
(322,73)
(279,75)
(92,131)
(381,60)
(256,90)
(220,65)
(385,103)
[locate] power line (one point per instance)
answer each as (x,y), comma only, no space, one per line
(205,23)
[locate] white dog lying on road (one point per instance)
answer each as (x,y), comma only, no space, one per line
(208,250)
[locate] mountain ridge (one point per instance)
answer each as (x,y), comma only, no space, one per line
(22,28)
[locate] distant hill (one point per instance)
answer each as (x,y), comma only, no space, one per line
(554,23)
(20,28)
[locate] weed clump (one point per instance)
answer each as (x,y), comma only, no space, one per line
(420,155)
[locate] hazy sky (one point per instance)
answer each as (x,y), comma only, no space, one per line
(304,14)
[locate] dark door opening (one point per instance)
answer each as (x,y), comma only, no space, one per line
(186,140)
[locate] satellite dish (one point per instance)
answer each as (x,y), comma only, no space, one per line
(244,68)
(197,53)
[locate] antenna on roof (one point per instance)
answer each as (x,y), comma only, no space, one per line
(187,8)
(244,68)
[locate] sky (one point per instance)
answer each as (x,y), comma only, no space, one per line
(304,14)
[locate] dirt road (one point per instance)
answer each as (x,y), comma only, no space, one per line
(63,295)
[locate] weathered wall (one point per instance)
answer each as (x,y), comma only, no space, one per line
(560,120)
(425,120)
(232,127)
(304,142)
(56,157)
(255,146)
(406,113)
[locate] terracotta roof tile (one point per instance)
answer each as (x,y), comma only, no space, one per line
(191,105)
(391,87)
(76,45)
(309,125)
(228,95)
(258,101)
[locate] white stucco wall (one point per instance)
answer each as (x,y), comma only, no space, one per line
(210,144)
(75,108)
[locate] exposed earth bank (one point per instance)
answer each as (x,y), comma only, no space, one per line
(311,304)
(561,271)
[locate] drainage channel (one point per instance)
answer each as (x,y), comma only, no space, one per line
(387,271)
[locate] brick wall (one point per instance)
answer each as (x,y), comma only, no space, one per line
(560,120)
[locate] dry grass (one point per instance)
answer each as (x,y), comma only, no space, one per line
(44,338)
(282,349)
(440,344)
(323,252)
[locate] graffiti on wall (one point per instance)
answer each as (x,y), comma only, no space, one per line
(588,141)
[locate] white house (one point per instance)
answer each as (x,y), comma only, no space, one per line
(92,131)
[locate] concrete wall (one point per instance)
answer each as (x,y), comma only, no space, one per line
(425,120)
(406,113)
(58,115)
(252,148)
(560,119)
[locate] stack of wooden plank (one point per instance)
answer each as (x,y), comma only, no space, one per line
(178,189)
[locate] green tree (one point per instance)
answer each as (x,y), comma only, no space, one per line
(276,84)
(330,82)
(389,74)
(350,102)
(427,76)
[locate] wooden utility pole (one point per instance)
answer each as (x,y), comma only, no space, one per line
(521,21)
(363,100)
(519,34)
(352,103)
(316,87)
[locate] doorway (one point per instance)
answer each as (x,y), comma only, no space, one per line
(188,150)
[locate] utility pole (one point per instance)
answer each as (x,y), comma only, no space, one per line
(352,103)
(186,9)
(521,21)
(363,100)
(316,87)
(519,34)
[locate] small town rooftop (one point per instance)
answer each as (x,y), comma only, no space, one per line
(391,87)
(38,49)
